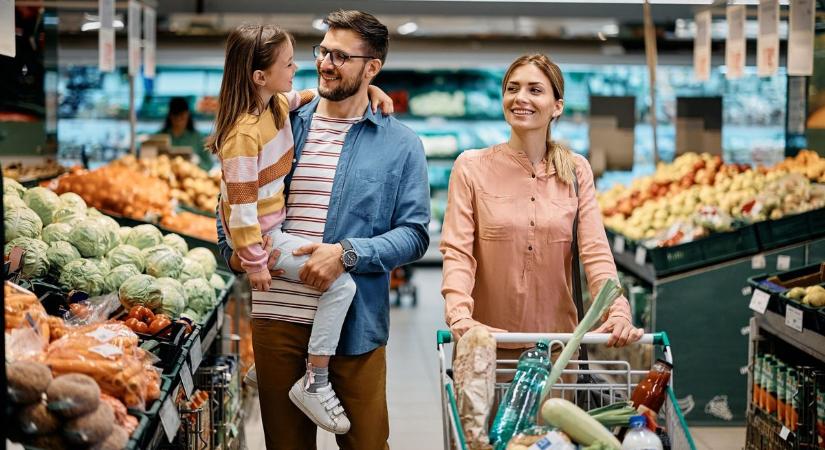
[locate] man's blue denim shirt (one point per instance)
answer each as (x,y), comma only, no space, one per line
(380,202)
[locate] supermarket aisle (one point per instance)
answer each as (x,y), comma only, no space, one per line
(414,402)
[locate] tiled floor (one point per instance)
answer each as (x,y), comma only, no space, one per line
(413,392)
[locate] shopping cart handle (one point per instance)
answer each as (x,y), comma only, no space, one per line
(660,338)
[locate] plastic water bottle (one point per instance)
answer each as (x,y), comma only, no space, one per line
(519,407)
(639,437)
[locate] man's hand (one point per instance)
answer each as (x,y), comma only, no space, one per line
(235,261)
(260,281)
(324,265)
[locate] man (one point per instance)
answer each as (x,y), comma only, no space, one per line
(360,190)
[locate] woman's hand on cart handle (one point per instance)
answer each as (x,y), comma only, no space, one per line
(622,332)
(461,326)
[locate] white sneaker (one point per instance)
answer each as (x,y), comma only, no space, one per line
(323,407)
(251,378)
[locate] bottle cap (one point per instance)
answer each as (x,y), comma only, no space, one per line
(639,421)
(660,360)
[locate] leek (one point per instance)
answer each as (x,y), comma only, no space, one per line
(610,291)
(616,415)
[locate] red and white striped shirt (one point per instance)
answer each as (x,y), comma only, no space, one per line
(306,216)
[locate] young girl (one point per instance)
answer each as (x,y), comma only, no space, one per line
(253,140)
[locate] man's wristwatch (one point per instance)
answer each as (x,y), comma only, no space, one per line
(349,258)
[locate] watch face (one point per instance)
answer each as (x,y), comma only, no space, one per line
(350,258)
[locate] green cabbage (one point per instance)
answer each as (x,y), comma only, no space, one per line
(174,297)
(119,274)
(176,242)
(191,269)
(217,282)
(163,261)
(200,296)
(67,215)
(206,258)
(126,254)
(112,230)
(13,201)
(82,275)
(35,262)
(140,290)
(42,201)
(74,201)
(123,233)
(12,187)
(144,236)
(21,222)
(102,264)
(56,232)
(90,238)
(192,315)
(59,254)
(91,212)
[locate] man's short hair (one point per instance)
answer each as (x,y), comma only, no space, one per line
(374,33)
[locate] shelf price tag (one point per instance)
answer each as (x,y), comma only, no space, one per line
(196,354)
(793,318)
(758,262)
(618,244)
(169,419)
(759,301)
(641,255)
(784,433)
(783,262)
(186,379)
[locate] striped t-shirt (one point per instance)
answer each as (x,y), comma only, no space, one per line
(306,216)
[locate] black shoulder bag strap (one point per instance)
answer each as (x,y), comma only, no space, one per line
(576,269)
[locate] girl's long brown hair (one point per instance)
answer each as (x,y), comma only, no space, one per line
(557,154)
(248,48)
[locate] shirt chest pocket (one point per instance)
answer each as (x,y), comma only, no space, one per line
(495,217)
(556,223)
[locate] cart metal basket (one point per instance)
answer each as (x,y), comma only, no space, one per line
(621,380)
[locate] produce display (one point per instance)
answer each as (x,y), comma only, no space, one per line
(23,172)
(191,224)
(813,296)
(697,195)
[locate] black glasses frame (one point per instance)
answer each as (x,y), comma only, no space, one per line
(317,49)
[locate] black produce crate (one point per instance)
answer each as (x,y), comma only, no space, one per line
(790,229)
(812,318)
(153,408)
(138,434)
(715,248)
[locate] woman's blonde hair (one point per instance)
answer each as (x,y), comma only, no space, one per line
(248,48)
(558,155)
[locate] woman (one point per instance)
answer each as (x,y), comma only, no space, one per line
(179,126)
(508,226)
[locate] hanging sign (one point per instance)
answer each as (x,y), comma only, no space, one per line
(149,43)
(7,35)
(735,46)
(134,37)
(106,35)
(767,43)
(801,38)
(701,47)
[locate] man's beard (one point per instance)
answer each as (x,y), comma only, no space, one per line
(345,89)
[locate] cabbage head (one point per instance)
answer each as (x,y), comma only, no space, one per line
(123,233)
(175,241)
(21,222)
(82,275)
(74,201)
(192,315)
(56,232)
(102,264)
(217,282)
(200,296)
(119,274)
(174,297)
(67,215)
(90,238)
(12,187)
(191,269)
(163,261)
(126,254)
(206,258)
(59,254)
(140,290)
(35,262)
(13,201)
(144,236)
(42,201)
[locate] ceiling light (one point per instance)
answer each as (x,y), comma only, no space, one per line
(601,36)
(408,28)
(610,30)
(319,25)
(95,25)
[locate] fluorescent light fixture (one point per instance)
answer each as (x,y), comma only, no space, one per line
(601,36)
(91,26)
(408,28)
(319,25)
(610,29)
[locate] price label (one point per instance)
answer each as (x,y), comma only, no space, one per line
(784,433)
(759,301)
(758,262)
(746,291)
(783,262)
(641,255)
(196,354)
(186,379)
(169,419)
(220,316)
(618,244)
(793,318)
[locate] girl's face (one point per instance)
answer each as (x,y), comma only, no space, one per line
(528,100)
(278,77)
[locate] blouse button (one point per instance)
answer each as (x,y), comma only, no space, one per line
(532,224)
(530,248)
(294,160)
(534,175)
(532,199)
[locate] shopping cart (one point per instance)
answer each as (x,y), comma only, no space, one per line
(620,380)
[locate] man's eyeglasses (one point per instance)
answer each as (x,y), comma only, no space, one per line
(337,57)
